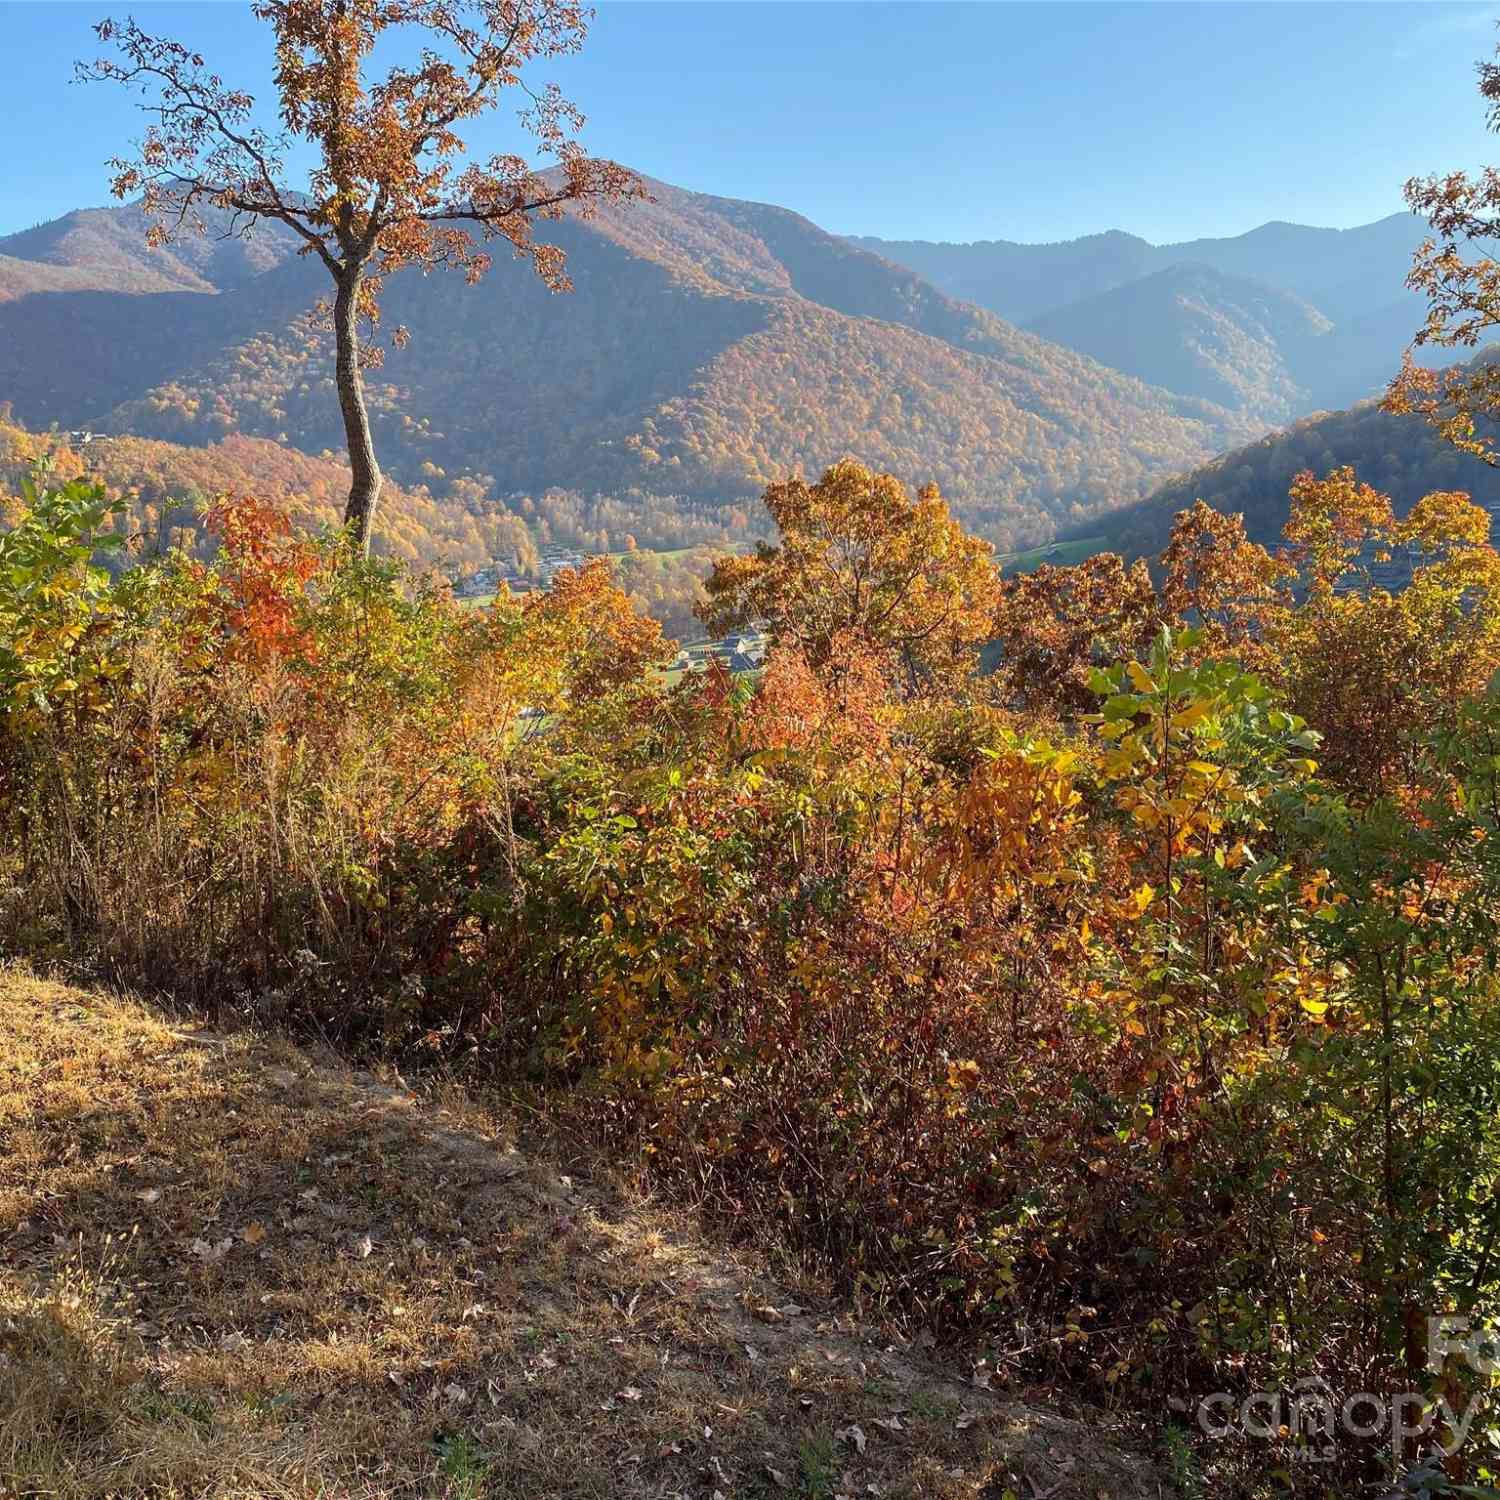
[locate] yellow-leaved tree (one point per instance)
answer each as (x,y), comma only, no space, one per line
(862,567)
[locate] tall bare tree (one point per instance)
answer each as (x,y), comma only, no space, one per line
(390,187)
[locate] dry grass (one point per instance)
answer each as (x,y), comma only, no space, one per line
(227,1268)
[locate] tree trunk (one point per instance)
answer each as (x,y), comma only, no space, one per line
(364,491)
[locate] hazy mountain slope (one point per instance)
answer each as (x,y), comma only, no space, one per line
(1399,455)
(1190,328)
(1342,272)
(1364,352)
(708,345)
(1101,294)
(24,278)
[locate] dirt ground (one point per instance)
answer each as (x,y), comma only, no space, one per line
(228,1267)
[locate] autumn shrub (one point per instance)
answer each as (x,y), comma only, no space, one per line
(1131,1009)
(1152,1049)
(285,773)
(1153,1042)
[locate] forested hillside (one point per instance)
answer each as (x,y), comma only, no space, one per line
(1400,455)
(451,526)
(708,347)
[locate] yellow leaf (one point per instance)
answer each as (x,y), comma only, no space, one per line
(963,1076)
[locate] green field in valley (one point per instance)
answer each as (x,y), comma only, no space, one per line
(1059,554)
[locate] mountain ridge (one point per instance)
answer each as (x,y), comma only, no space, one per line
(710,345)
(1353,278)
(1222,252)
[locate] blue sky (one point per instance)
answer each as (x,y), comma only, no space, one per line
(921,120)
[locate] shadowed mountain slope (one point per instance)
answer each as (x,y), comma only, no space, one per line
(1400,455)
(1238,342)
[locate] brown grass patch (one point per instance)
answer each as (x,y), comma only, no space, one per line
(227,1268)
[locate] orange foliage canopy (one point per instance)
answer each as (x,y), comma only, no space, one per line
(604,643)
(862,565)
(263,569)
(1055,623)
(1376,668)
